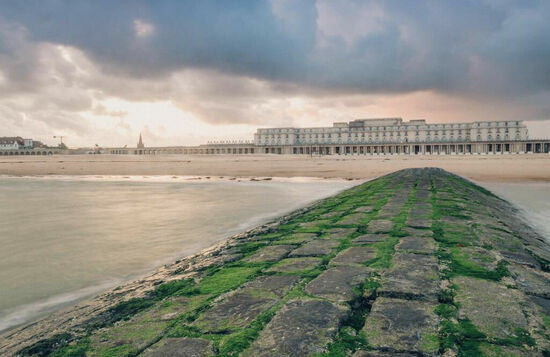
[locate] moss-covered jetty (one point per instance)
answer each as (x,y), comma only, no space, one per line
(418,262)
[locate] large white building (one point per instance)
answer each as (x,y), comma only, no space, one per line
(380,136)
(393,131)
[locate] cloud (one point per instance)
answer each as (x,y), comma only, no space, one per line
(278,62)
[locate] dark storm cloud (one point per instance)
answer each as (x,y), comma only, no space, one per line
(494,46)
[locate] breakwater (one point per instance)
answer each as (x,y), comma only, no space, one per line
(418,262)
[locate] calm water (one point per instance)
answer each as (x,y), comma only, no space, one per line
(533,199)
(65,239)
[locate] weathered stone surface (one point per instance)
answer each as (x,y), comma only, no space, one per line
(493,308)
(413,276)
(353,219)
(239,309)
(370,238)
(380,226)
(314,248)
(417,232)
(291,265)
(542,303)
(403,326)
(180,347)
(419,222)
(278,285)
(480,256)
(339,233)
(364,209)
(133,336)
(330,214)
(389,211)
(296,238)
(337,283)
(375,353)
(530,281)
(316,223)
(416,245)
(520,257)
(489,350)
(354,255)
(270,253)
(301,328)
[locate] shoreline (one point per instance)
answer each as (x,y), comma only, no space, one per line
(73,316)
(483,168)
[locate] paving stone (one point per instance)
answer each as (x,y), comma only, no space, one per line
(520,257)
(480,256)
(132,336)
(417,232)
(403,326)
(237,311)
(389,212)
(338,283)
(530,281)
(296,238)
(354,255)
(314,248)
(339,233)
(413,276)
(488,350)
(418,222)
(416,245)
(290,265)
(240,308)
(370,238)
(180,347)
(277,285)
(270,253)
(169,309)
(301,328)
(380,226)
(542,303)
(353,219)
(375,353)
(364,209)
(314,223)
(330,214)
(492,307)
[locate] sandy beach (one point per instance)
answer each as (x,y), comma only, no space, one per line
(502,168)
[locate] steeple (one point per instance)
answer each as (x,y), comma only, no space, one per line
(140,143)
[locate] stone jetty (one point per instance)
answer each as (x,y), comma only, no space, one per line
(416,263)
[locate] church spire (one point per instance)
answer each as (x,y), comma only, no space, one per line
(140,143)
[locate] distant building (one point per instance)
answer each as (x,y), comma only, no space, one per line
(18,146)
(11,143)
(380,136)
(140,143)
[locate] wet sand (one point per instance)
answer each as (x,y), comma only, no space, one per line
(484,168)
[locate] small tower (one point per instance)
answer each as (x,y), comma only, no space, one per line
(140,143)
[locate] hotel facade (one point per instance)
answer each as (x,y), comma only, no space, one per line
(383,136)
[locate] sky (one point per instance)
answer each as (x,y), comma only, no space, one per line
(185,72)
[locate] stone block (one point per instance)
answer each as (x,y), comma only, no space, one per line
(314,248)
(338,283)
(403,326)
(301,328)
(412,276)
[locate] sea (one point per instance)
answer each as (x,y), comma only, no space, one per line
(64,239)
